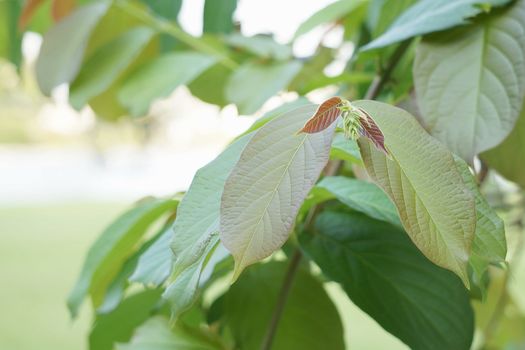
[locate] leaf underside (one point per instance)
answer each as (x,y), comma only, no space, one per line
(325,115)
(266,188)
(435,207)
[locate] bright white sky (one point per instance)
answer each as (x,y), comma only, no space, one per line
(280,17)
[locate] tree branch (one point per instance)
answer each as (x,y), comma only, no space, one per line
(293,267)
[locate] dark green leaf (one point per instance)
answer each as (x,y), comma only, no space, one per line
(168,9)
(309,321)
(119,325)
(218,16)
(384,274)
(10,36)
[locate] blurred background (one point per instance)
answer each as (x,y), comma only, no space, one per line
(65,175)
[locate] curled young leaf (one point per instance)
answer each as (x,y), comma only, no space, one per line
(371,131)
(325,115)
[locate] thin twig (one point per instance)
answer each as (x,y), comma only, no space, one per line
(379,82)
(293,267)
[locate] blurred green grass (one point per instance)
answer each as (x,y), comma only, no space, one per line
(41,252)
(42,248)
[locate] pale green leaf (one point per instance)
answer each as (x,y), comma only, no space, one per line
(107,255)
(489,245)
(157,334)
(470,82)
(197,224)
(254,83)
(266,188)
(153,265)
(330,13)
(386,276)
(309,321)
(160,77)
(218,16)
(196,228)
(435,207)
(362,196)
(427,16)
(63,46)
(507,158)
(184,290)
(101,69)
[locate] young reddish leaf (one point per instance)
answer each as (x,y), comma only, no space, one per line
(325,115)
(370,130)
(61,8)
(28,11)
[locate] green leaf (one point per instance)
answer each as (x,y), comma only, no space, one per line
(507,157)
(119,325)
(154,264)
(330,13)
(489,245)
(475,75)
(107,255)
(386,276)
(63,46)
(10,36)
(196,228)
(265,189)
(218,16)
(345,149)
(209,86)
(254,83)
(168,9)
(309,321)
(427,16)
(261,45)
(101,69)
(362,196)
(382,13)
(184,290)
(156,334)
(435,207)
(161,76)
